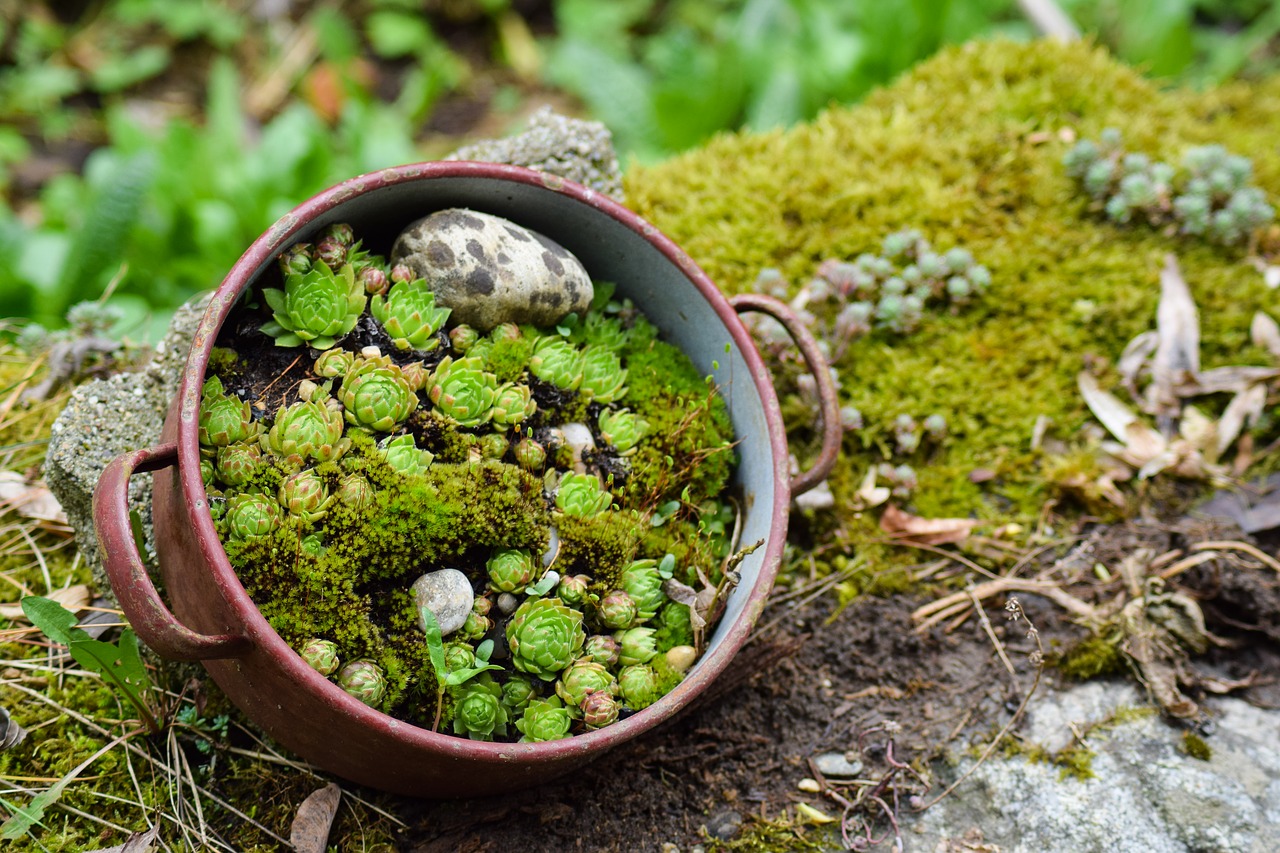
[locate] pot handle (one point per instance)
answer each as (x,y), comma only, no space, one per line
(829,404)
(154,622)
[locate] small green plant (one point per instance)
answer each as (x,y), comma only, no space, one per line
(409,315)
(318,306)
(445,677)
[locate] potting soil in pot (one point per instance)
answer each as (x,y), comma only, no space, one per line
(495,528)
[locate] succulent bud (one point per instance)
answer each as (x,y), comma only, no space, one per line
(459,655)
(374,281)
(599,709)
(581,678)
(402,273)
(617,610)
(511,569)
(642,582)
(321,655)
(250,515)
(475,626)
(296,259)
(331,252)
(364,680)
(602,649)
(573,590)
(530,455)
(517,692)
(341,232)
(638,685)
(637,646)
(305,495)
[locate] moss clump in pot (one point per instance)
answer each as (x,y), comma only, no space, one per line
(439,515)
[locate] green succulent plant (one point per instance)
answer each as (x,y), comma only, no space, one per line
(544,720)
(673,626)
(223,419)
(581,678)
(305,495)
(557,361)
(643,583)
(206,472)
(462,337)
(603,376)
(638,685)
(511,569)
(334,362)
(637,645)
(512,404)
(321,655)
(475,626)
(409,315)
(316,307)
(459,655)
(582,496)
(364,680)
(574,590)
(493,445)
(599,709)
(463,391)
(622,430)
(376,396)
(617,610)
(544,636)
(249,514)
(517,692)
(602,648)
(355,491)
(404,456)
(478,711)
(236,464)
(529,454)
(307,430)
(603,330)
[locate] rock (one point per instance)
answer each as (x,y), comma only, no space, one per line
(680,658)
(724,824)
(447,594)
(489,270)
(581,151)
(809,786)
(837,765)
(107,417)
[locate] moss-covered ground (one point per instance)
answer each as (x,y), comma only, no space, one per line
(968,149)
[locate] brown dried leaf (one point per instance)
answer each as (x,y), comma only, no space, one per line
(1244,409)
(34,500)
(1177,356)
(310,830)
(926,531)
(1141,442)
(74,598)
(138,842)
(1265,333)
(1227,380)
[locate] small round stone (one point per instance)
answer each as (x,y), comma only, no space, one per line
(680,658)
(724,824)
(836,765)
(508,603)
(448,595)
(809,786)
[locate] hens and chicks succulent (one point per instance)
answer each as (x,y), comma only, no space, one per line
(577,654)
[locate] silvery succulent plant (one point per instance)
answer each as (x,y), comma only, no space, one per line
(305,495)
(622,430)
(603,376)
(544,720)
(463,391)
(582,495)
(364,680)
(223,419)
(512,404)
(316,307)
(307,430)
(511,569)
(478,712)
(544,636)
(249,514)
(376,396)
(404,456)
(321,655)
(557,361)
(409,315)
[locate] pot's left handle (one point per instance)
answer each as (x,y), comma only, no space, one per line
(828,402)
(154,623)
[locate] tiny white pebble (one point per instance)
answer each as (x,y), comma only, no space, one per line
(809,786)
(371,352)
(826,682)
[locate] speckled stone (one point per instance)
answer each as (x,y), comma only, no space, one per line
(489,270)
(447,594)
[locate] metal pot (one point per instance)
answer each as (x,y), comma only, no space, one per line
(209,616)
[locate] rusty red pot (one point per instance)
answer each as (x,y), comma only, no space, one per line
(210,618)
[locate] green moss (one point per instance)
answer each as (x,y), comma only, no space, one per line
(1075,762)
(761,835)
(1092,657)
(601,546)
(507,358)
(1196,747)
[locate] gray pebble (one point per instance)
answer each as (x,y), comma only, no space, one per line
(835,765)
(507,603)
(724,824)
(447,594)
(488,270)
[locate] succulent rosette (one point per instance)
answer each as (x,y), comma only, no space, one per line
(459,655)
(334,362)
(599,709)
(462,337)
(305,495)
(622,430)
(603,376)
(544,720)
(530,455)
(376,396)
(617,610)
(582,495)
(574,590)
(409,315)
(581,678)
(511,569)
(250,514)
(463,391)
(544,636)
(364,680)
(306,431)
(638,685)
(493,445)
(637,645)
(223,420)
(321,655)
(643,583)
(517,692)
(355,491)
(316,307)
(236,464)
(604,331)
(557,361)
(478,711)
(602,648)
(475,626)
(512,404)
(404,456)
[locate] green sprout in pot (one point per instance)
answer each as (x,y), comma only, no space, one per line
(308,430)
(599,709)
(602,648)
(544,720)
(544,636)
(638,685)
(249,515)
(603,376)
(223,419)
(511,569)
(364,680)
(637,645)
(321,655)
(617,611)
(316,307)
(622,430)
(512,404)
(404,457)
(305,495)
(236,464)
(517,692)
(642,581)
(557,361)
(463,391)
(581,678)
(478,712)
(376,396)
(582,495)
(409,315)
(335,362)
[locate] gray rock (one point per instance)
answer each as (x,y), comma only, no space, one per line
(724,824)
(581,151)
(107,417)
(836,765)
(489,270)
(447,594)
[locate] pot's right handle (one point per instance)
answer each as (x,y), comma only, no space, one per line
(154,623)
(828,403)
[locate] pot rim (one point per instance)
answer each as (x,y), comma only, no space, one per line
(263,636)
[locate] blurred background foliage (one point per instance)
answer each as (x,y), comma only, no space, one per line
(145,143)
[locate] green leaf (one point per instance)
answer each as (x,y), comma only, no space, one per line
(57,622)
(120,71)
(120,665)
(462,676)
(396,34)
(435,643)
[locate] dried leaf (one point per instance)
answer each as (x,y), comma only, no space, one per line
(1244,410)
(926,531)
(310,830)
(1177,355)
(33,500)
(1265,333)
(813,815)
(138,842)
(74,598)
(688,596)
(1135,355)
(1141,443)
(1227,380)
(1198,429)
(11,734)
(869,494)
